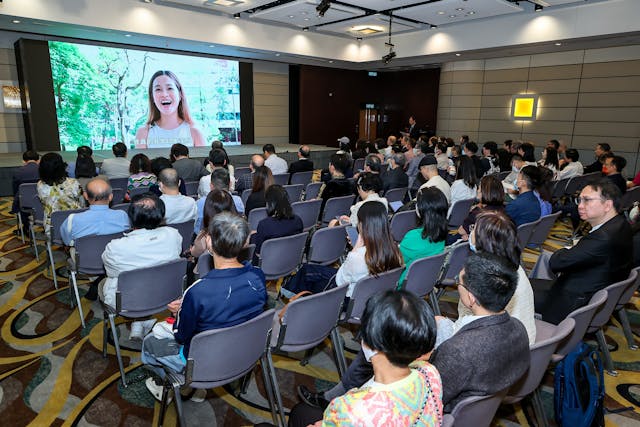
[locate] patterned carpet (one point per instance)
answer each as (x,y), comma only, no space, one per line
(52,372)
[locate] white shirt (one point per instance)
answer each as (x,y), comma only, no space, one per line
(179,208)
(460,191)
(117,167)
(572,169)
(352,269)
(375,197)
(204,185)
(442,185)
(277,164)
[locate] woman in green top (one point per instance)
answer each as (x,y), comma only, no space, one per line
(429,238)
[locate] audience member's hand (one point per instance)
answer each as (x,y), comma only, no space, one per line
(174,306)
(344,220)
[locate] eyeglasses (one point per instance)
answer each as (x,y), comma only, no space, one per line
(586,200)
(458,282)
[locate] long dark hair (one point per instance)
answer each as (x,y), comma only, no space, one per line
(140,163)
(491,191)
(432,206)
(382,253)
(52,169)
(262,179)
(217,201)
(466,171)
(85,167)
(551,157)
(277,202)
(496,233)
(183,107)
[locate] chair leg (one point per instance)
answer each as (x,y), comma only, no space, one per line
(276,389)
(538,408)
(338,352)
(307,355)
(244,384)
(163,404)
(433,299)
(74,285)
(20,225)
(33,240)
(105,332)
(178,400)
(626,327)
(116,344)
(270,389)
(52,264)
(608,363)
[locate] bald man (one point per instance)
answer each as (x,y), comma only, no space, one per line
(303,164)
(178,208)
(246,181)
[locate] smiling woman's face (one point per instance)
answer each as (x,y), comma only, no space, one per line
(166,95)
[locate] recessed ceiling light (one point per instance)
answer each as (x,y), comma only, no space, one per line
(291,16)
(147,1)
(277,54)
(359,39)
(236,15)
(460,9)
(225,3)
(452,16)
(305,29)
(16,21)
(127,35)
(458,54)
(471,12)
(304,13)
(305,19)
(558,44)
(367,30)
(212,45)
(441,12)
(330,61)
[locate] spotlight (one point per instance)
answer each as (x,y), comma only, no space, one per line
(388,57)
(538,8)
(236,15)
(305,29)
(323,7)
(433,26)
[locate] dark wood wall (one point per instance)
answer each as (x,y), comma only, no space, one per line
(330,101)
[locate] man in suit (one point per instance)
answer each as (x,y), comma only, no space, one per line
(413,131)
(395,176)
(303,164)
(602,257)
(27,173)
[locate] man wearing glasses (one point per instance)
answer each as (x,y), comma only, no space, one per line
(602,257)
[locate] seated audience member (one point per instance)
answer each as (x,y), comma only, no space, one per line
(470,149)
(413,166)
(526,207)
(278,165)
(490,197)
(245,181)
(85,171)
(56,191)
(187,168)
(262,180)
(600,258)
(230,294)
(466,181)
(440,151)
(491,351)
(527,151)
(572,167)
(395,177)
(147,245)
(495,233)
(391,141)
(373,253)
(140,170)
(25,174)
(397,328)
(429,171)
(217,145)
(612,168)
(338,185)
(600,150)
(219,181)
(509,182)
(368,186)
(372,164)
(118,167)
(158,165)
(409,148)
(549,159)
(489,160)
(216,201)
(217,160)
(98,220)
(303,164)
(178,208)
(280,222)
(83,151)
(504,156)
(429,238)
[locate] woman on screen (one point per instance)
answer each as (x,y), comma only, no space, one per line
(169,120)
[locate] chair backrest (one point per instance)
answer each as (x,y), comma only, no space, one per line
(238,172)
(358,164)
(503,175)
(457,256)
(423,274)
(629,291)
(477,411)
(219,356)
(121,206)
(245,196)
(396,194)
(273,263)
(578,182)
(205,260)
(281,178)
(119,183)
(89,251)
(308,211)
(309,320)
(542,229)
(294,191)
(191,187)
(559,187)
(583,317)
(312,190)
(147,291)
(138,190)
(541,352)
(327,245)
(57,218)
(368,286)
(632,195)
(186,231)
(459,211)
(118,196)
(303,178)
(524,233)
(29,201)
(255,216)
(402,223)
(336,206)
(614,292)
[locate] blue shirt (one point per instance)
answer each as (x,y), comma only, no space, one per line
(237,201)
(98,220)
(525,208)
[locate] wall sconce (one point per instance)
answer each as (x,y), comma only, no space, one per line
(524,107)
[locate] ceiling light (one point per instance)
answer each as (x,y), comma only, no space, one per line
(305,29)
(331,61)
(147,1)
(458,54)
(433,26)
(359,39)
(212,45)
(441,12)
(225,3)
(127,35)
(16,21)
(291,16)
(305,19)
(388,57)
(366,30)
(323,7)
(452,16)
(471,12)
(538,8)
(558,44)
(460,9)
(277,54)
(236,15)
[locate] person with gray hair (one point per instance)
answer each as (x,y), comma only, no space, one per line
(395,177)
(178,208)
(230,294)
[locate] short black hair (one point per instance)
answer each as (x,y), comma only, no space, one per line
(119,149)
(304,152)
(374,162)
(555,143)
(491,279)
(85,167)
(52,169)
(399,159)
(340,162)
(277,202)
(471,147)
(491,146)
(269,148)
(30,155)
(179,150)
(604,146)
(229,233)
(572,154)
(159,164)
(528,152)
(370,182)
(619,162)
(84,151)
(146,211)
(220,179)
(400,325)
(217,157)
(608,190)
(217,144)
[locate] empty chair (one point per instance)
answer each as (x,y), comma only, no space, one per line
(308,211)
(358,165)
(294,191)
(542,229)
(312,190)
(559,187)
(142,293)
(306,323)
(138,190)
(524,233)
(622,313)
(30,204)
(503,175)
(632,195)
(118,196)
(327,245)
(396,194)
(281,178)
(303,178)
(423,275)
(459,211)
(220,356)
(119,183)
(186,231)
(255,216)
(541,352)
(402,223)
(366,287)
(457,256)
(238,172)
(576,183)
(245,196)
(54,236)
(191,187)
(335,207)
(476,411)
(281,256)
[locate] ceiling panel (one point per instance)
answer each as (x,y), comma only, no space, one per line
(224,6)
(302,13)
(369,26)
(455,11)
(382,4)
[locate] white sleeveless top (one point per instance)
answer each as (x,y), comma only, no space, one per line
(159,138)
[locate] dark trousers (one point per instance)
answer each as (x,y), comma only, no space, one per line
(311,277)
(358,372)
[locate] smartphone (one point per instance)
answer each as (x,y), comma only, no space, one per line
(352,233)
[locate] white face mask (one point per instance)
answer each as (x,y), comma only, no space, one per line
(368,353)
(515,169)
(416,151)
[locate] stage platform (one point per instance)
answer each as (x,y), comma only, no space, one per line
(239,155)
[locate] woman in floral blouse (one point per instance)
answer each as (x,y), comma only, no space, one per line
(56,190)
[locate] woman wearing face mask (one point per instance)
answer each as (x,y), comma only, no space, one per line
(466,182)
(490,198)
